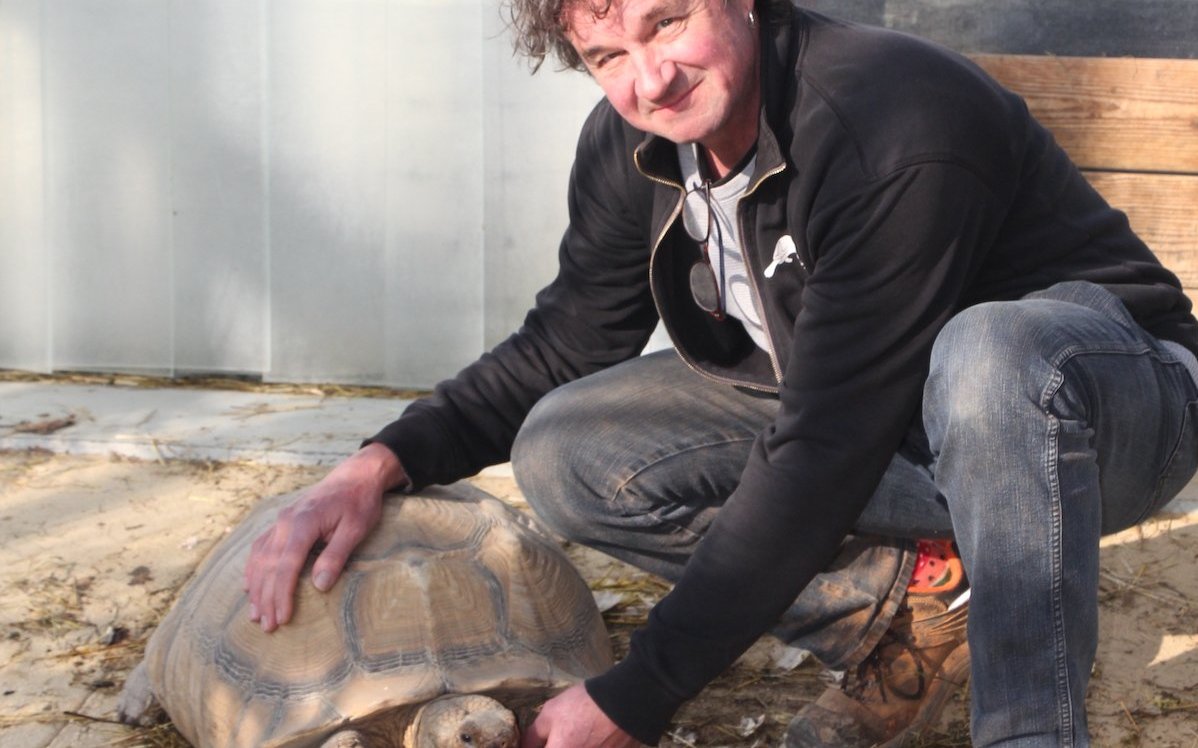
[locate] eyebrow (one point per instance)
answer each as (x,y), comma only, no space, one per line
(666,8)
(651,16)
(656,12)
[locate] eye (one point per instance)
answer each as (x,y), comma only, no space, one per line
(599,62)
(671,23)
(466,738)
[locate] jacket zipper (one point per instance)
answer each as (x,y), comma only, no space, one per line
(686,358)
(750,256)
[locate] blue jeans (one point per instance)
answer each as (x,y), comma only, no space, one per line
(1047,422)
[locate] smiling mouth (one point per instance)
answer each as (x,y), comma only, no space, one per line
(676,103)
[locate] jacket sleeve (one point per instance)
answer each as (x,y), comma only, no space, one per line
(597,312)
(892,267)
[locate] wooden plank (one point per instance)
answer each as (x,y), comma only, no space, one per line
(1079,28)
(1111,113)
(1163,210)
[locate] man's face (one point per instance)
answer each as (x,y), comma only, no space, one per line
(682,69)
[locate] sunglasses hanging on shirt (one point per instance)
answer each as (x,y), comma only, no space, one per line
(707,286)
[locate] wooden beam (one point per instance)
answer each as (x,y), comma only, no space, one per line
(1163,210)
(1111,113)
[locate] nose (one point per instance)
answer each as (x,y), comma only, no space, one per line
(654,75)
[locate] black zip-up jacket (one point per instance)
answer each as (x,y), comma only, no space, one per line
(913,186)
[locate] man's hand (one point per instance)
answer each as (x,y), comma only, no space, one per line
(572,720)
(340,510)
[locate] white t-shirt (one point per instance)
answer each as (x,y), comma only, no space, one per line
(724,244)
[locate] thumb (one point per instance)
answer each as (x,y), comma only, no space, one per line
(537,734)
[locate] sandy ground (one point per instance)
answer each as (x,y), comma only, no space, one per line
(93,550)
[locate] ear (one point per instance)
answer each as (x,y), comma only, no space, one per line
(744,6)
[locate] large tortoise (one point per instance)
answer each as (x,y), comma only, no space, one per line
(454,601)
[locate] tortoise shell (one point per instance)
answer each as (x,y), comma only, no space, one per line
(453,592)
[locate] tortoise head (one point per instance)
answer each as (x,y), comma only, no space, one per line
(465,721)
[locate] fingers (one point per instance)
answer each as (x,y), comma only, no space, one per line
(547,730)
(337,511)
(278,590)
(333,558)
(255,571)
(573,720)
(276,559)
(536,735)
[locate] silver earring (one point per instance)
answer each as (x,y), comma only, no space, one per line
(752,18)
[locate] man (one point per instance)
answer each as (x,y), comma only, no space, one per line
(899,312)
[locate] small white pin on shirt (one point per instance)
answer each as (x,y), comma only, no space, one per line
(784,252)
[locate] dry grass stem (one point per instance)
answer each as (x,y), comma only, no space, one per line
(1135,586)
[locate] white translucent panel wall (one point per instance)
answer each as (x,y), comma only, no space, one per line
(532,128)
(24,265)
(341,190)
(433,308)
(327,121)
(218,185)
(106,116)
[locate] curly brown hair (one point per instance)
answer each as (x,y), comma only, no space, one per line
(539,27)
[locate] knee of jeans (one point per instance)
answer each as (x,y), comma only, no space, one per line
(983,362)
(545,464)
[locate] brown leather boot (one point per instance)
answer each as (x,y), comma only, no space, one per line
(901,687)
